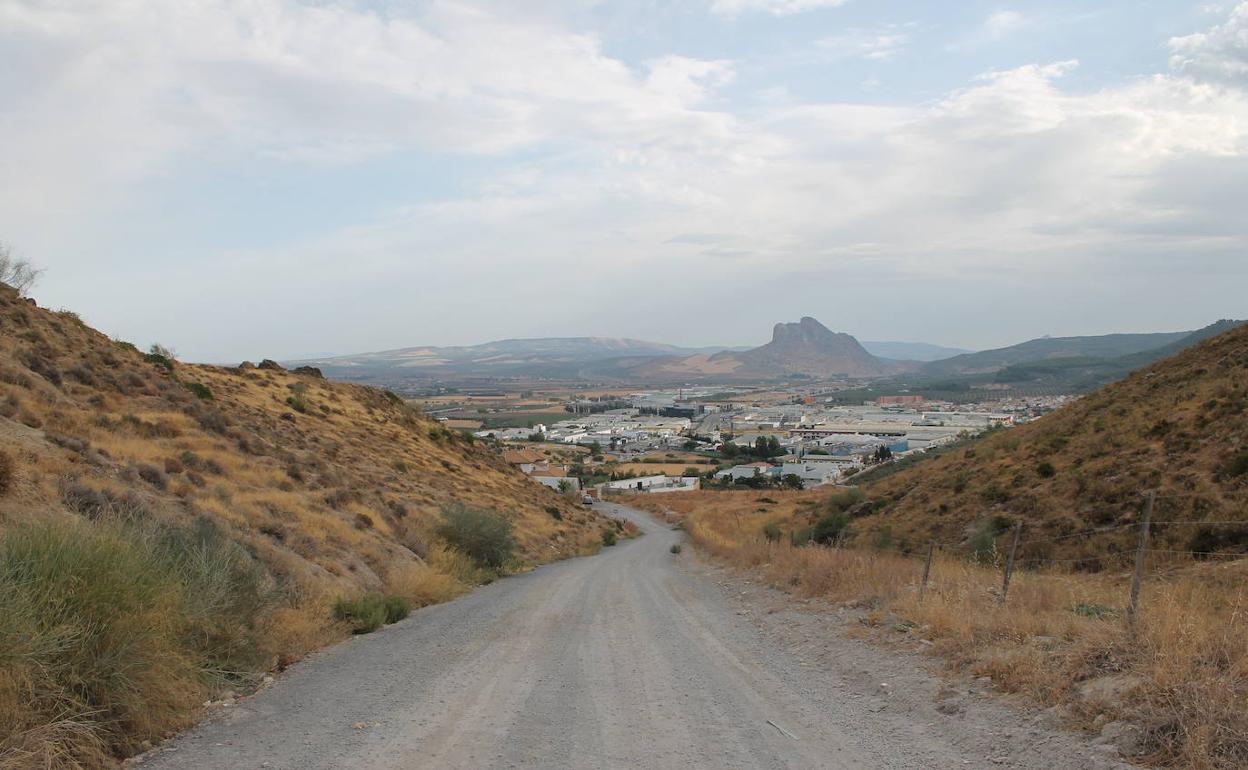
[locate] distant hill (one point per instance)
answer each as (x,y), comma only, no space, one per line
(542,357)
(806,348)
(912,351)
(1179,425)
(1069,364)
(1102,346)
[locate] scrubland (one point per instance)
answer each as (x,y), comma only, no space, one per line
(1178,679)
(171,532)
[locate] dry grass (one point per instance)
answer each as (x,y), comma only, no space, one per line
(1188,659)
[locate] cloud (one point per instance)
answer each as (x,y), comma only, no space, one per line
(1012,183)
(1218,55)
(1001,23)
(880,44)
(111,91)
(773,7)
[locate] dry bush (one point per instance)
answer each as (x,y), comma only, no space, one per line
(422,585)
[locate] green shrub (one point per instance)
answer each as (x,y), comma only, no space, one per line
(802,536)
(983,543)
(771,531)
(160,356)
(365,614)
(883,538)
(675,548)
(485,537)
(121,629)
(842,501)
(1046,470)
(298,403)
(830,528)
(200,390)
(397,608)
(554,512)
(608,537)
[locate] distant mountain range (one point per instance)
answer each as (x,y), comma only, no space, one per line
(1068,364)
(912,351)
(805,349)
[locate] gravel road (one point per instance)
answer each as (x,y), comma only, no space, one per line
(634,658)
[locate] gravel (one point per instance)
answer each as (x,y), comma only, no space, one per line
(634,658)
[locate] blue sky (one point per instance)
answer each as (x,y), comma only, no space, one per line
(269,178)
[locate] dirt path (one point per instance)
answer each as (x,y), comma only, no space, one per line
(634,658)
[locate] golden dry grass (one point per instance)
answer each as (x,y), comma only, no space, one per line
(1188,657)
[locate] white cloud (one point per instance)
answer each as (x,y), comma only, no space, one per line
(1220,54)
(113,90)
(880,44)
(774,7)
(1014,181)
(1001,23)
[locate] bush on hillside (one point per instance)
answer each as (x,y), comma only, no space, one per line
(119,631)
(6,473)
(161,356)
(367,613)
(485,537)
(843,501)
(772,531)
(829,529)
(199,390)
(608,537)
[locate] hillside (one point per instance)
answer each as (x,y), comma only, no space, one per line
(278,489)
(806,348)
(1179,426)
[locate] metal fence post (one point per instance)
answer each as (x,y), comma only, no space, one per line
(1009,562)
(927,568)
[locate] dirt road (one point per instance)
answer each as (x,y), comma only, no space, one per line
(627,659)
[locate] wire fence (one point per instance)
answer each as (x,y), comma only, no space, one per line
(1139,555)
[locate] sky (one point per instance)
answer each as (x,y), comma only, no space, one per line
(241,179)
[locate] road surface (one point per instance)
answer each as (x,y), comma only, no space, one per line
(627,659)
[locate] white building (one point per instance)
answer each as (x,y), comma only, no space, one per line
(653,484)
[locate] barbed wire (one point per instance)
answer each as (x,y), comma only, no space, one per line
(1210,523)
(1085,533)
(1217,554)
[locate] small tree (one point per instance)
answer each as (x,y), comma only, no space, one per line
(830,528)
(16,272)
(792,481)
(484,536)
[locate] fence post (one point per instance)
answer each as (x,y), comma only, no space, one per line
(1134,606)
(1009,562)
(927,568)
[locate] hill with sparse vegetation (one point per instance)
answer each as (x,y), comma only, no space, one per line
(1179,426)
(171,531)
